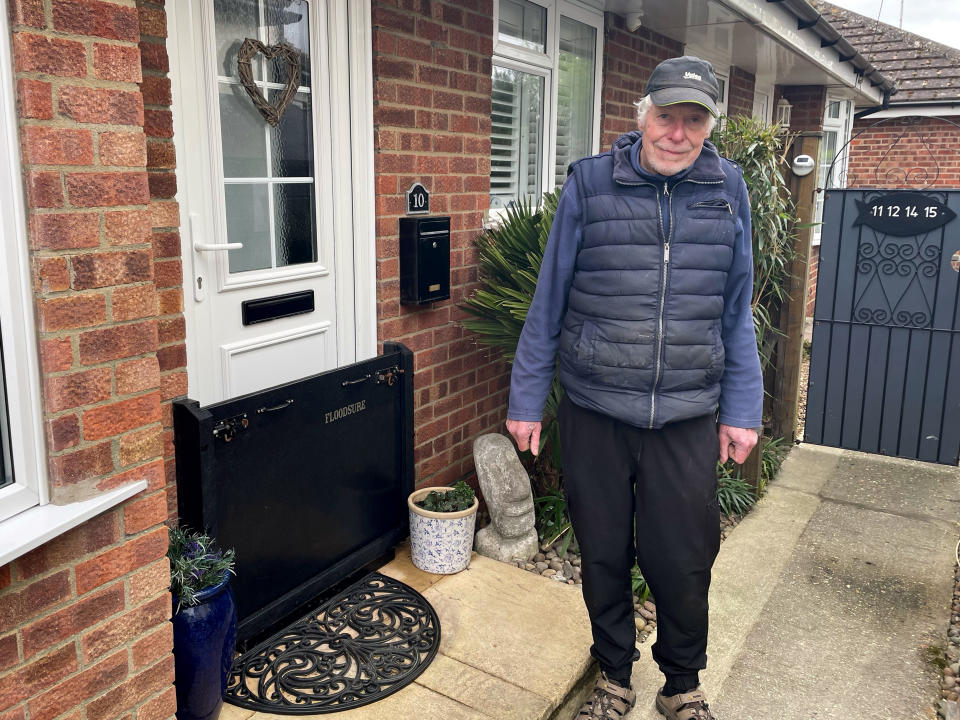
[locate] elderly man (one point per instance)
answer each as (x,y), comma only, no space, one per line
(644,293)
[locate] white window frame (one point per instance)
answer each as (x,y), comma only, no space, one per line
(843,126)
(21,368)
(506,54)
(27,519)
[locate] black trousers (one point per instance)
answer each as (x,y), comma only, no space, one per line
(649,495)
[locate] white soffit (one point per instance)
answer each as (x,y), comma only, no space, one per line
(755,35)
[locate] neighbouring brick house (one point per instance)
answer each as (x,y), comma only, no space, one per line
(130,152)
(912,141)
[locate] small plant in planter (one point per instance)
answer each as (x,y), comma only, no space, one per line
(442,520)
(204,622)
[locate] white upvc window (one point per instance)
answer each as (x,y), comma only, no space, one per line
(545,97)
(22,454)
(837,126)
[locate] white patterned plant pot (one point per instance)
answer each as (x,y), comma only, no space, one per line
(440,542)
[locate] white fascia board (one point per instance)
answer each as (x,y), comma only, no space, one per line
(946,109)
(782,25)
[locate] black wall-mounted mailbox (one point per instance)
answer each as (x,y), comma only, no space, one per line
(424,259)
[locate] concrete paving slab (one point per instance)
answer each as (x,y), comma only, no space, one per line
(513,646)
(514,625)
(824,598)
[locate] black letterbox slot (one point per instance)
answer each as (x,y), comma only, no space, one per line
(424,259)
(277,306)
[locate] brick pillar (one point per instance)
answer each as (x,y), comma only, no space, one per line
(84,618)
(432,86)
(740,93)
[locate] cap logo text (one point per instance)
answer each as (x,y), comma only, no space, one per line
(692,76)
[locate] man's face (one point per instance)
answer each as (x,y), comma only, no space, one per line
(673,137)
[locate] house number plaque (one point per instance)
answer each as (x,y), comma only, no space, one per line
(418,200)
(903,214)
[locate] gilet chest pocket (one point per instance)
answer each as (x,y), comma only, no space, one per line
(713,205)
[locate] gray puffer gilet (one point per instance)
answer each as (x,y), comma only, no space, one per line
(641,336)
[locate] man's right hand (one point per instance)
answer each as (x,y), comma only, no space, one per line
(526,434)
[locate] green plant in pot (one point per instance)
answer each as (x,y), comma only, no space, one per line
(442,521)
(204,622)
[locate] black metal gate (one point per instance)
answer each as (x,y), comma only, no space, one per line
(885,359)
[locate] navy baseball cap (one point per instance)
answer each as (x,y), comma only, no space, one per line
(686,79)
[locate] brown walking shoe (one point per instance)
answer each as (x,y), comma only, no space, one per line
(608,701)
(684,706)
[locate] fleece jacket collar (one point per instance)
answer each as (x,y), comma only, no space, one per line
(706,168)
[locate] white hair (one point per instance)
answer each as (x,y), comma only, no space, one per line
(646,102)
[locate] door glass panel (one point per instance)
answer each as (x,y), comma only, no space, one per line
(523,23)
(248,221)
(293,208)
(235,20)
(576,66)
(289,22)
(516,136)
(292,139)
(241,132)
(274,219)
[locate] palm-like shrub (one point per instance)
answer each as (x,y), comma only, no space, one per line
(510,258)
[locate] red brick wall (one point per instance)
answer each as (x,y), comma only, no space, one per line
(904,152)
(164,218)
(432,68)
(84,618)
(809,103)
(812,286)
(740,93)
(629,58)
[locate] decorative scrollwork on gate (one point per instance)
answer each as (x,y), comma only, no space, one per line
(896,279)
(909,157)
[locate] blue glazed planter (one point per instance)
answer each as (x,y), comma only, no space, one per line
(204,637)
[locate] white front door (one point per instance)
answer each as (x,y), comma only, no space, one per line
(267,211)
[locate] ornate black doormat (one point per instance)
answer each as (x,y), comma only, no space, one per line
(369,641)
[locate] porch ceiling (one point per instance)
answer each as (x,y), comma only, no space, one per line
(762,38)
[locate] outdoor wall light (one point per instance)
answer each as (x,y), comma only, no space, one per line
(633,21)
(803,165)
(784,110)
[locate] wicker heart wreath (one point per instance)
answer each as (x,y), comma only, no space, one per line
(250,47)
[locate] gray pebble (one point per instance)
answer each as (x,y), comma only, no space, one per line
(539,557)
(541,566)
(646,614)
(549,572)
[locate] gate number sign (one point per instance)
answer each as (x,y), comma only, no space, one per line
(903,213)
(418,200)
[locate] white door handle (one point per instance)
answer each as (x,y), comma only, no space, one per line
(215,247)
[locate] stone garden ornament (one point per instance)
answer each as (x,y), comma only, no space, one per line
(511,535)
(272,112)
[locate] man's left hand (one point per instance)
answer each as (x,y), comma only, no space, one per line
(736,443)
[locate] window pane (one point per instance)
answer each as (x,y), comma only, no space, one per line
(523,23)
(576,67)
(289,22)
(833,109)
(295,223)
(516,136)
(6,464)
(235,21)
(242,134)
(248,221)
(292,139)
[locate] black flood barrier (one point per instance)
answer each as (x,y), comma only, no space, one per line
(307,481)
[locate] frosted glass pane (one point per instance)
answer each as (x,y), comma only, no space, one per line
(289,22)
(235,20)
(243,134)
(6,465)
(523,23)
(248,221)
(295,223)
(575,94)
(292,139)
